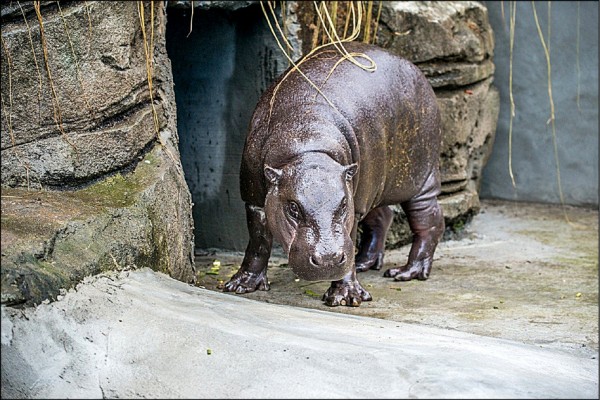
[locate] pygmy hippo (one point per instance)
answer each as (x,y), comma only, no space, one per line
(313,173)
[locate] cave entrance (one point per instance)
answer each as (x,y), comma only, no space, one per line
(219,70)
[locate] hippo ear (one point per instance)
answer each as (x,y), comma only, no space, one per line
(273,174)
(350,171)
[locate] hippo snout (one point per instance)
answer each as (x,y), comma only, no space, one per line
(317,266)
(327,260)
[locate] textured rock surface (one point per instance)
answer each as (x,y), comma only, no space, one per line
(203,5)
(452,43)
(101,92)
(430,31)
(51,240)
(123,201)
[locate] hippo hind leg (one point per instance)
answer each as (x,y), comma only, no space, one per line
(252,274)
(426,222)
(374,228)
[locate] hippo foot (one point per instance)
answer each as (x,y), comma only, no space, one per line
(375,263)
(418,270)
(347,293)
(247,282)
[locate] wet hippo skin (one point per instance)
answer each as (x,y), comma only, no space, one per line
(311,173)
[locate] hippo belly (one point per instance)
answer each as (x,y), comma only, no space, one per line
(315,166)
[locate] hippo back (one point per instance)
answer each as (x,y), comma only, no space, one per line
(386,121)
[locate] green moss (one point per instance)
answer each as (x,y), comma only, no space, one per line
(39,214)
(33,219)
(48,268)
(159,259)
(39,280)
(120,190)
(458,226)
(312,293)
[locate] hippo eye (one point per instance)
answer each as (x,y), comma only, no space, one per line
(293,210)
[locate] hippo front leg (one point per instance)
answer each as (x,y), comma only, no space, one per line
(252,274)
(347,291)
(427,225)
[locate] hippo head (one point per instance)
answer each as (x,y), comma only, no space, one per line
(310,211)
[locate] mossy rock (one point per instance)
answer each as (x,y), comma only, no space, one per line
(51,240)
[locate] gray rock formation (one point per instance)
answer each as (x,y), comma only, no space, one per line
(94,117)
(101,184)
(452,43)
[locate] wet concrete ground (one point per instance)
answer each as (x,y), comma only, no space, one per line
(520,272)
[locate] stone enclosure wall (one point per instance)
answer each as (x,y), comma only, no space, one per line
(453,44)
(91,177)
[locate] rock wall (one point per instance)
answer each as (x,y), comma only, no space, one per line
(453,44)
(77,117)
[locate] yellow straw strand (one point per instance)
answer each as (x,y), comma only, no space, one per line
(37,66)
(375,32)
(513,13)
(77,72)
(191,18)
(55,103)
(552,119)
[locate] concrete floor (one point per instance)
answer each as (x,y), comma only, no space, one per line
(520,272)
(510,311)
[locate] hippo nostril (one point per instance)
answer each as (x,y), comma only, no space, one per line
(314,261)
(330,260)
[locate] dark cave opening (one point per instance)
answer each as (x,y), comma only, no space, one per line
(219,70)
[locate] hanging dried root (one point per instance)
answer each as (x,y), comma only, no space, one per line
(77,70)
(55,103)
(330,32)
(149,54)
(9,67)
(7,112)
(377,22)
(578,67)
(513,15)
(552,119)
(37,67)
(191,18)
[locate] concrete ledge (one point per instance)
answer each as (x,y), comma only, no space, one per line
(142,334)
